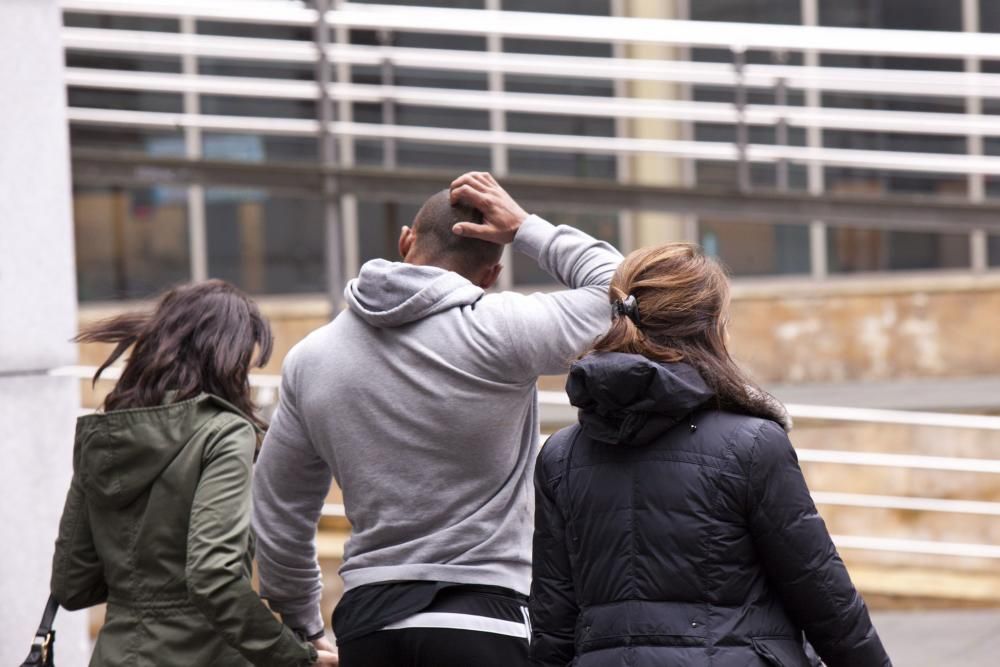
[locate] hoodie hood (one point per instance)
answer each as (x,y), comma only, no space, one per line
(627,399)
(390,294)
(121,453)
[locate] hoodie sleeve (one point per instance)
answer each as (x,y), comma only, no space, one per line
(801,560)
(548,330)
(77,570)
(218,542)
(291,483)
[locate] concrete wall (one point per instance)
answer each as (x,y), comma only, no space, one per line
(851,329)
(37,317)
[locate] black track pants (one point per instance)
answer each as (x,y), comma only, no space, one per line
(486,631)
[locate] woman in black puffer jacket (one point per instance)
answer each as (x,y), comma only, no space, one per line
(673,526)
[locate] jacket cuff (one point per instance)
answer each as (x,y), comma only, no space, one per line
(308,622)
(532,236)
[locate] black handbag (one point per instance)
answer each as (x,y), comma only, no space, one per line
(43,648)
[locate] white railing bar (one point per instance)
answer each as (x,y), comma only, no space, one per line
(911,461)
(916,546)
(838,118)
(797,411)
(572,27)
(166,120)
(899,82)
(249,11)
(908,503)
(666,31)
(901,417)
(181,83)
(722,151)
(176,44)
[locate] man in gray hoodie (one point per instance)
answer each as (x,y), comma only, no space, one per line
(420,400)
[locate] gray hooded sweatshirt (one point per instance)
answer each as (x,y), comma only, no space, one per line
(420,400)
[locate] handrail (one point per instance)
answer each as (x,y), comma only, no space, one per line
(839,79)
(722,151)
(540,25)
(827,117)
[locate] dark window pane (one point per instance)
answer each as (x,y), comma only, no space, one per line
(593,7)
(579,165)
(843,180)
(442,156)
(130,242)
(519,83)
(256,69)
(747,11)
(259,148)
(140,140)
(115,22)
(551,47)
(851,250)
(893,14)
(265,243)
(753,249)
(258,30)
(456,4)
(132,100)
(378,227)
(989,16)
(122,61)
(225,105)
(466,119)
(994,249)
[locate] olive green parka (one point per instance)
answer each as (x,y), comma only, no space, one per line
(157,524)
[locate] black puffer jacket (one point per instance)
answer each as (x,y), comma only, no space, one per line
(668,533)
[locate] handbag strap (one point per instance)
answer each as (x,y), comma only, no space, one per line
(42,649)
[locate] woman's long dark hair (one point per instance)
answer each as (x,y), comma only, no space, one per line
(201,337)
(683,303)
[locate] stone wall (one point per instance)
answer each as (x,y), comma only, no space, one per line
(799,331)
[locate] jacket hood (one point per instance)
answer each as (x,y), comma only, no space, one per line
(627,399)
(390,294)
(121,453)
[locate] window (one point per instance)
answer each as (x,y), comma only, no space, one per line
(130,242)
(851,250)
(752,249)
(265,242)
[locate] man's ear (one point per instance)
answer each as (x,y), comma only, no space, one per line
(406,238)
(489,277)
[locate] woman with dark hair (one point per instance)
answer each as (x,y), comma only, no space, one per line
(157,520)
(673,525)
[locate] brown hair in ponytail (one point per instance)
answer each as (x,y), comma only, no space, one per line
(682,304)
(201,337)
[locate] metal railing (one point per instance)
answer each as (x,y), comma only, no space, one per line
(733,36)
(266,387)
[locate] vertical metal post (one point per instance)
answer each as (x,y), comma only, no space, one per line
(976,184)
(388,78)
(742,135)
(328,160)
(197,231)
(816,180)
(781,128)
(344,111)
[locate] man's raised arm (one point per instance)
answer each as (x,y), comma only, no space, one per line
(547,330)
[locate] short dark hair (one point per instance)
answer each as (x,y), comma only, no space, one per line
(433,224)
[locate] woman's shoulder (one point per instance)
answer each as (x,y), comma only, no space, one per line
(744,435)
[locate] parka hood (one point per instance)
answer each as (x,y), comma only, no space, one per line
(121,453)
(627,399)
(390,294)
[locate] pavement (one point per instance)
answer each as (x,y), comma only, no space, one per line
(960,394)
(946,638)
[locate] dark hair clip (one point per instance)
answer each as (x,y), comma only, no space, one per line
(628,307)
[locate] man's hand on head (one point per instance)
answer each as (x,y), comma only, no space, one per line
(502,217)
